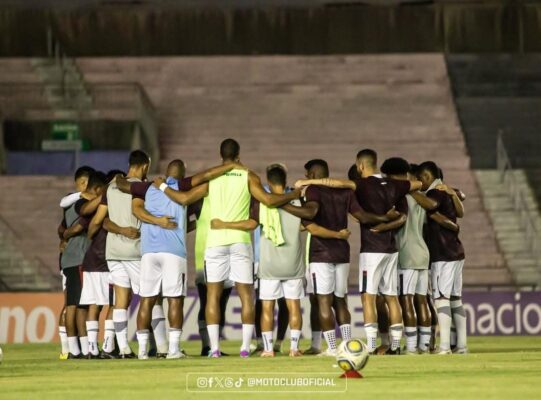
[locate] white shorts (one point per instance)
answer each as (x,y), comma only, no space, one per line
(447,278)
(330,278)
(378,273)
(125,274)
(95,288)
(274,289)
(233,262)
(412,281)
(163,273)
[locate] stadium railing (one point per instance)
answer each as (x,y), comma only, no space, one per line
(526,217)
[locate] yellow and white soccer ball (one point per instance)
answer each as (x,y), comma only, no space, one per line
(352,355)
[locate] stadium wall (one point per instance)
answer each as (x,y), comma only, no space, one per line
(33,317)
(498,26)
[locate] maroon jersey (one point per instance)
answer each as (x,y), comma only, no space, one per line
(334,207)
(94,260)
(378,195)
(443,244)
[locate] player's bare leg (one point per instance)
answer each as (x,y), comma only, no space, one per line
(283,318)
(383,325)
(246,294)
(212,316)
(267,327)
(396,324)
(370,320)
(459,319)
(343,317)
(92,328)
(315,347)
(295,325)
(410,322)
(120,319)
(327,321)
(176,320)
(81,313)
(433,323)
(423,322)
(144,317)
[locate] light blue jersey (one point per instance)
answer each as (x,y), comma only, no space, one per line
(155,239)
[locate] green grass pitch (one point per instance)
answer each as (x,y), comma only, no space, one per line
(497,368)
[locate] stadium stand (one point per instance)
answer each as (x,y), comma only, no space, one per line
(291,109)
(501,95)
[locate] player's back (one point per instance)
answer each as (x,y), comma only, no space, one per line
(378,195)
(155,239)
(444,244)
(229,200)
(119,206)
(334,207)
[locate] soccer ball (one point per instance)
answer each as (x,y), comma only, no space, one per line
(352,355)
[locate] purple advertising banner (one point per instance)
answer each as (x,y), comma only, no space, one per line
(33,317)
(503,313)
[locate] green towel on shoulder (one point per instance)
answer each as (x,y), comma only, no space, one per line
(269,218)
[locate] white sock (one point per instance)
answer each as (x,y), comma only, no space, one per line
(396,335)
(267,340)
(444,318)
(371,331)
(316,340)
(174,340)
(142,340)
(247,334)
(345,330)
(385,339)
(424,338)
(158,327)
(120,319)
(459,317)
(92,330)
(411,338)
(109,336)
(203,333)
(73,345)
(295,338)
(84,345)
(330,338)
(214,336)
(63,339)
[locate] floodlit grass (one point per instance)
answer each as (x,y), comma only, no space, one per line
(498,368)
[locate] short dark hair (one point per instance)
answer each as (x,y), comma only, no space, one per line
(395,166)
(138,158)
(96,179)
(414,169)
(229,149)
(277,174)
(85,170)
(441,173)
(431,167)
(114,172)
(319,164)
(370,155)
(353,173)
